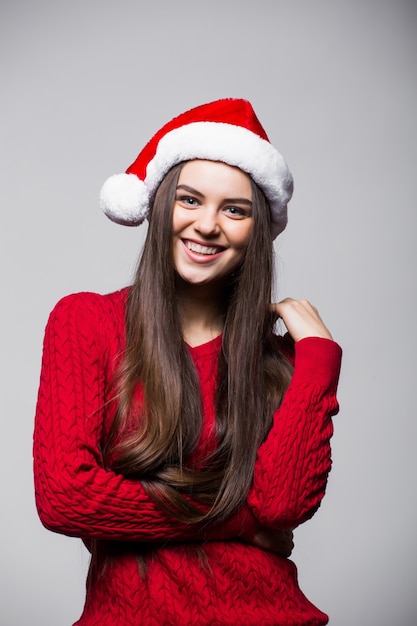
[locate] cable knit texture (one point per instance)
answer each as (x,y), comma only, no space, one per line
(237,584)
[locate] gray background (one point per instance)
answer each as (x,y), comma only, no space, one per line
(84,86)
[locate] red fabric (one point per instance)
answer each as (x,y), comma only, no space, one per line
(233,111)
(75,495)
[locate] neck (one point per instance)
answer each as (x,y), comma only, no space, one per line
(201,309)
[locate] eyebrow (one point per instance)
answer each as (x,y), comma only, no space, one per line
(198,193)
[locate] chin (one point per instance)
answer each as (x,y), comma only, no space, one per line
(198,281)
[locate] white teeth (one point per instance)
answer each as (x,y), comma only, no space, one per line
(196,247)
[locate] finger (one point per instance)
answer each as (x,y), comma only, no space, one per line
(301,319)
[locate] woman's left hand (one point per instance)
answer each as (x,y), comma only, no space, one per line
(301,319)
(279,541)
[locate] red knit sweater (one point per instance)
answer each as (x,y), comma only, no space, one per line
(241,585)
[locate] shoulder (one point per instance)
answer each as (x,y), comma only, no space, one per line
(90,315)
(86,303)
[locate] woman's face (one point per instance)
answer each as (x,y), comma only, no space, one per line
(212,220)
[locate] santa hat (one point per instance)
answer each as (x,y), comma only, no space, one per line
(226,130)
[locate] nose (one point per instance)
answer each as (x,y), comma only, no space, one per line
(207,222)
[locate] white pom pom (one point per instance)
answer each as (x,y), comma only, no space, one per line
(125,199)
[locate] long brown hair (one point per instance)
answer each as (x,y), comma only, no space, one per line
(253,376)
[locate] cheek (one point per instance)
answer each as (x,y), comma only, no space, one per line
(175,221)
(242,235)
(180,219)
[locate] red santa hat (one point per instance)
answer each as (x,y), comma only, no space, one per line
(225,130)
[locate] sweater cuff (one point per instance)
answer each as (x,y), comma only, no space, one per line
(317,361)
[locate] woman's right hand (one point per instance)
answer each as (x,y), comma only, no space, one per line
(279,541)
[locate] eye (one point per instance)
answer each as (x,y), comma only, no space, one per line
(236,211)
(188,201)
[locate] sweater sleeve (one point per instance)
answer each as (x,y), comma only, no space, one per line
(294,461)
(74,494)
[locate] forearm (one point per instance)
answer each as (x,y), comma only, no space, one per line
(293,463)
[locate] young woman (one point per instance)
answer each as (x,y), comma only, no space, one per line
(176,433)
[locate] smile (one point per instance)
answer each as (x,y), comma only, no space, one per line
(200,249)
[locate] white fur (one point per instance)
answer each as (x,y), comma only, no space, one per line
(125,199)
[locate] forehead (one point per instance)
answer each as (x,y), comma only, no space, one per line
(215,177)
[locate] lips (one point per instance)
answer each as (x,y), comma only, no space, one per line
(202,249)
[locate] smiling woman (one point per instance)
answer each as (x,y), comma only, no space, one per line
(212,222)
(176,433)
